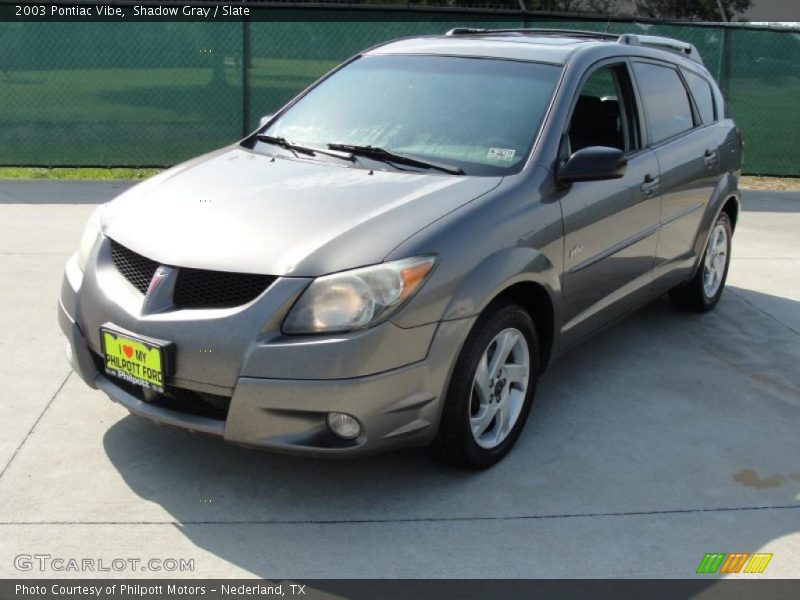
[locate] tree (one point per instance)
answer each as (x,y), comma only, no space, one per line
(577,6)
(704,10)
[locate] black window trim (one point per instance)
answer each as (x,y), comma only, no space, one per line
(696,120)
(640,116)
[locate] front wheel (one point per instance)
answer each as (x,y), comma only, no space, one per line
(491,390)
(702,292)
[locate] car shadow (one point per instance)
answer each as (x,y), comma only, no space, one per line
(647,416)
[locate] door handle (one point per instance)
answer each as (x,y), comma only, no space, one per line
(650,184)
(710,158)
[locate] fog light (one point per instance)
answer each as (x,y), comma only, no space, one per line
(344,425)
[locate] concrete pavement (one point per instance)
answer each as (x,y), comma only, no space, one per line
(665,437)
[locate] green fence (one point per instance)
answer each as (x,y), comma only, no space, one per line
(156,93)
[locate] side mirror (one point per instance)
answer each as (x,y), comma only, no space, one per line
(595,163)
(264,120)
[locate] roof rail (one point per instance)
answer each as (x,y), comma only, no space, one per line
(632,39)
(533,31)
(664,43)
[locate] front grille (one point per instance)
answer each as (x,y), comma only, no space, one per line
(202,404)
(134,267)
(194,288)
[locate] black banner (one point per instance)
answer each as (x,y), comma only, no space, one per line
(763,12)
(397,589)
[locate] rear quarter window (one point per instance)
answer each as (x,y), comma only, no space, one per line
(666,101)
(703,96)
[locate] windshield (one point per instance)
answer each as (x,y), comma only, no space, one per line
(479,114)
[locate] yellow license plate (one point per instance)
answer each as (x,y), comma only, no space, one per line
(135,360)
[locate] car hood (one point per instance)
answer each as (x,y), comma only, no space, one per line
(235,210)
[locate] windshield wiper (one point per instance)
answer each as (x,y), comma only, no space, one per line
(282,142)
(390,157)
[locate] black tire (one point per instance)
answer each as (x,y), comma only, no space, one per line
(455,443)
(692,295)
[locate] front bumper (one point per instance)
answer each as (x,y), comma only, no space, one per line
(281,389)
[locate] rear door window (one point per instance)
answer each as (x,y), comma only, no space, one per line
(703,96)
(666,101)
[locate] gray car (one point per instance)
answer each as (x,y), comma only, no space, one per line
(395,257)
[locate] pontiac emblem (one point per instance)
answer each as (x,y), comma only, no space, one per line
(160,273)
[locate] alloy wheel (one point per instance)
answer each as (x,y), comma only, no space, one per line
(715,260)
(499,388)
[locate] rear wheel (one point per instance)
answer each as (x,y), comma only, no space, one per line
(491,390)
(702,292)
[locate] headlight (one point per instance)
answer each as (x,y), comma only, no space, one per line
(90,234)
(358,298)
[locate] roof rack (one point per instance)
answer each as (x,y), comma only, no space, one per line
(631,39)
(535,31)
(664,43)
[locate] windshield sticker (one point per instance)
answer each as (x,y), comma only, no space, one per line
(503,154)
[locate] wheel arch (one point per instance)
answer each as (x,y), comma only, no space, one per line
(731,207)
(536,301)
(522,275)
(727,200)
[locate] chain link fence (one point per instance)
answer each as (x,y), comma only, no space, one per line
(156,93)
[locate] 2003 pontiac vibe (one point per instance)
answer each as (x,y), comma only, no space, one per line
(394,257)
